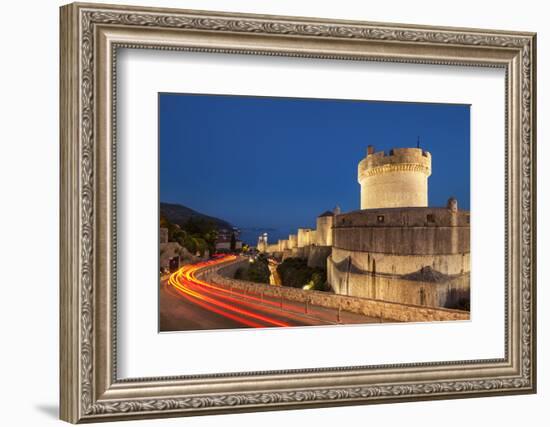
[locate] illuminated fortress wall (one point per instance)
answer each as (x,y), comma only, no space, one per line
(395,248)
(323,233)
(408,255)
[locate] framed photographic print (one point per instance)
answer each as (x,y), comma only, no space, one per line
(392,258)
(265,212)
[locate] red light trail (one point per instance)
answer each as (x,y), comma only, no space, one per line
(247,310)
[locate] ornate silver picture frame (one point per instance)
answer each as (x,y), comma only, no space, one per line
(91,390)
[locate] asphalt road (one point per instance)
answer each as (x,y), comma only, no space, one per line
(188,303)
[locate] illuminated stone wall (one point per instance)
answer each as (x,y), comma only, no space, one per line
(407,255)
(435,291)
(292,241)
(384,310)
(395,248)
(323,232)
(304,235)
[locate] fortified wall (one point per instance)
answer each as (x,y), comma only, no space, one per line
(383,310)
(412,255)
(315,245)
(395,248)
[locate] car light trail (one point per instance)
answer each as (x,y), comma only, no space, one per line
(243,299)
(231,316)
(197,291)
(262,302)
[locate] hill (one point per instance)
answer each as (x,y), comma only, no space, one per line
(179,214)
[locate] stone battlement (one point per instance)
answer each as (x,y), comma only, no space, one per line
(404,217)
(397,159)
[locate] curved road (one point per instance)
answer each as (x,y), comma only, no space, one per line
(189,303)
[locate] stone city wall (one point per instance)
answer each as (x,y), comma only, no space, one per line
(170,250)
(368,307)
(272,248)
(388,263)
(323,232)
(407,231)
(317,256)
(425,287)
(297,245)
(292,241)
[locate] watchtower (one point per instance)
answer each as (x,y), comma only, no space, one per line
(394,180)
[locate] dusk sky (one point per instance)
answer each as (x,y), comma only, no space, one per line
(279,162)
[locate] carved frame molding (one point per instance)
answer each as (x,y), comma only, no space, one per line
(90,37)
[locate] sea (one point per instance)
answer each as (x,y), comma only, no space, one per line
(249,235)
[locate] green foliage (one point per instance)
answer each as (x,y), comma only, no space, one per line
(197,234)
(179,236)
(201,245)
(199,226)
(319,279)
(295,273)
(191,245)
(257,271)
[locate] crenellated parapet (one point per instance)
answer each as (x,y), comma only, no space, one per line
(395,179)
(396,156)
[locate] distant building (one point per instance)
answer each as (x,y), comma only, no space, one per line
(262,243)
(223,242)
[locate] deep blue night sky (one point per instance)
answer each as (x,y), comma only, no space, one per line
(280,162)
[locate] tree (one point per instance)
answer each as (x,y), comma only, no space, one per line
(179,236)
(196,235)
(190,244)
(294,272)
(233,244)
(200,245)
(257,271)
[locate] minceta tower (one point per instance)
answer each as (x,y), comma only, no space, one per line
(396,180)
(395,248)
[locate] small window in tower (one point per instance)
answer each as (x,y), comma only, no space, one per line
(430,218)
(380,218)
(467,219)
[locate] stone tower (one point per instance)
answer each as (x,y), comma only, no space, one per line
(262,242)
(324,229)
(394,180)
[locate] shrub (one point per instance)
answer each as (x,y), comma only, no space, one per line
(257,271)
(295,273)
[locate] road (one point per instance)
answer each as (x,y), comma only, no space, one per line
(189,303)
